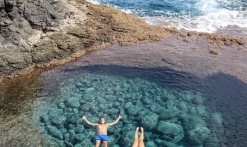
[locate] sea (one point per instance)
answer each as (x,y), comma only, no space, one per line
(195,15)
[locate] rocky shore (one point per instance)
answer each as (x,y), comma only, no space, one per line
(49,33)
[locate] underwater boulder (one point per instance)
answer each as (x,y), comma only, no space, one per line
(127,138)
(198,135)
(169,113)
(189,122)
(44,119)
(53,131)
(182,106)
(79,137)
(71,134)
(66,137)
(150,144)
(72,102)
(58,120)
(79,129)
(169,128)
(149,121)
(134,110)
(57,143)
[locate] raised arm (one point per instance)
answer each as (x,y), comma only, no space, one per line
(88,122)
(113,123)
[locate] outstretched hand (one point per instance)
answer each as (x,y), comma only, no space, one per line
(84,117)
(120,116)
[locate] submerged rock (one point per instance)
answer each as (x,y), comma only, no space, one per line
(170,113)
(58,120)
(72,102)
(169,128)
(127,138)
(149,121)
(198,135)
(53,131)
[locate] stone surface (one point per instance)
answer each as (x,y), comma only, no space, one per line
(169,128)
(149,121)
(53,131)
(198,135)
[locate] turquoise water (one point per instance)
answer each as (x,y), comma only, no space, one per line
(196,15)
(171,110)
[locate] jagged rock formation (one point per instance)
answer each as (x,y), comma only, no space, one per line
(41,32)
(24,22)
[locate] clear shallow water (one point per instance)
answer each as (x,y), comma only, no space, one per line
(141,82)
(196,15)
(170,109)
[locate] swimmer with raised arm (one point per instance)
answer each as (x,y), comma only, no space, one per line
(101,130)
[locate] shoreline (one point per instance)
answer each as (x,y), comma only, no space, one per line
(115,27)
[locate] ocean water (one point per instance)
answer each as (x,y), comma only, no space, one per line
(171,113)
(180,101)
(195,15)
(171,116)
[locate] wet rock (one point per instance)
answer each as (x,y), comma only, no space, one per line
(150,144)
(127,138)
(198,135)
(79,137)
(71,134)
(149,121)
(66,137)
(44,118)
(167,144)
(182,106)
(58,120)
(198,99)
(134,110)
(53,131)
(61,105)
(169,113)
(189,122)
(58,143)
(44,51)
(86,142)
(72,102)
(68,144)
(79,129)
(169,128)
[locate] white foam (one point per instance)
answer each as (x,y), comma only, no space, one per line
(213,18)
(94,2)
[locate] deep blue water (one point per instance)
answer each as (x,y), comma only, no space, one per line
(198,15)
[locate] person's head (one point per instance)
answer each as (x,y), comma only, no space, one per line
(101,120)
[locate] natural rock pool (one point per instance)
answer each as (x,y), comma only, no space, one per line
(182,98)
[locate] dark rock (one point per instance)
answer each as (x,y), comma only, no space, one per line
(127,138)
(72,102)
(79,137)
(198,135)
(66,136)
(169,128)
(79,129)
(149,121)
(71,134)
(58,120)
(44,118)
(68,144)
(170,113)
(53,131)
